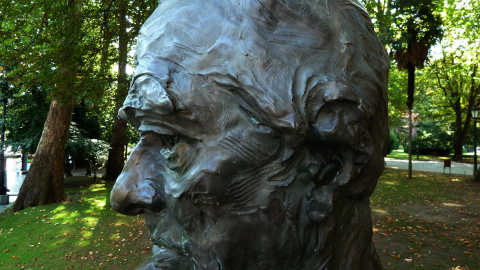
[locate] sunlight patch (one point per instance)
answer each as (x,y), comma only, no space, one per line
(453,204)
(380,211)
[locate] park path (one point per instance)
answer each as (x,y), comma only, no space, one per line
(429,166)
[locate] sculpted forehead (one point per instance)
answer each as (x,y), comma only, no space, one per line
(185,34)
(289,57)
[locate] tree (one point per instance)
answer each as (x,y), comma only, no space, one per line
(452,75)
(116,159)
(53,44)
(65,47)
(457,80)
(127,32)
(44,183)
(418,28)
(381,13)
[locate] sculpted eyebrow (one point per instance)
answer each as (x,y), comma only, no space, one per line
(149,74)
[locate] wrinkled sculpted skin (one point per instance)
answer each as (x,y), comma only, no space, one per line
(263,130)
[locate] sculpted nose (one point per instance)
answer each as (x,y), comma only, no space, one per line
(131,195)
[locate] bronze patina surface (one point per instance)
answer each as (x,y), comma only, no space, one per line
(263,130)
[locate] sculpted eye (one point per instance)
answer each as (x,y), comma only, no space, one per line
(175,149)
(167,141)
(328,173)
(149,137)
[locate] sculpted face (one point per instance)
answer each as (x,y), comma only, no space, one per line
(247,142)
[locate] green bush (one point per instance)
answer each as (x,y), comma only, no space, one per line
(81,149)
(430,139)
(393,141)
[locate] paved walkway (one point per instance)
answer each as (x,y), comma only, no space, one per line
(430,166)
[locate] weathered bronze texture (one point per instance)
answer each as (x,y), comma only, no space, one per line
(263,130)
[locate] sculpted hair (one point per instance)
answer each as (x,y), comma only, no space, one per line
(324,80)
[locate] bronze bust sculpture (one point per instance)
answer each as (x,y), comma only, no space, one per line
(263,130)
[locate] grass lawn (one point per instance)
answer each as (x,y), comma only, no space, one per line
(400,154)
(82,234)
(430,222)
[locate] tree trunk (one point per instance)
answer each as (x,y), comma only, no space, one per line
(44,181)
(24,161)
(410,98)
(116,157)
(460,131)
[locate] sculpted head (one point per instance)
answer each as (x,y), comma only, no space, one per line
(263,129)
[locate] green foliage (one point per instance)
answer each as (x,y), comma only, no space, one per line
(381,13)
(455,79)
(397,97)
(54,44)
(400,154)
(82,148)
(462,23)
(25,119)
(432,138)
(393,141)
(87,120)
(63,50)
(416,22)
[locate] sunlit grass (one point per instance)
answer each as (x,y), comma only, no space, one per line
(400,154)
(81,234)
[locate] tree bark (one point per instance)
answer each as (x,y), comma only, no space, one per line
(410,98)
(44,181)
(460,131)
(24,161)
(116,157)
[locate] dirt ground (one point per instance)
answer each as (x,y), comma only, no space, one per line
(435,227)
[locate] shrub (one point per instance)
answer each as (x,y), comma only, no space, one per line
(393,141)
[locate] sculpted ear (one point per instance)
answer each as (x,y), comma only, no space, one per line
(342,144)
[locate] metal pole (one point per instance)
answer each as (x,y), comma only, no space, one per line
(3,188)
(475,147)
